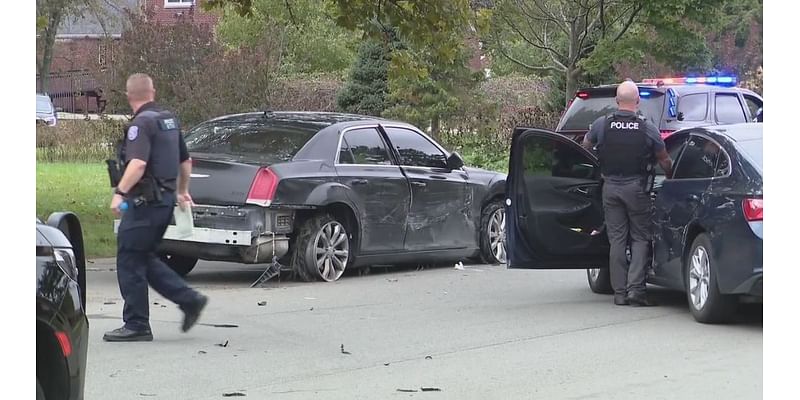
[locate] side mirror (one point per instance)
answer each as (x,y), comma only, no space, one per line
(454,161)
(759,115)
(680,116)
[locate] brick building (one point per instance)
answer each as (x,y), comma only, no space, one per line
(84,48)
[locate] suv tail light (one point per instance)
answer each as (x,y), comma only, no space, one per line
(665,133)
(753,209)
(263,188)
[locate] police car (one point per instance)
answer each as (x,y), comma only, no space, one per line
(670,103)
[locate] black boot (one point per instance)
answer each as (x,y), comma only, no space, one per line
(192,313)
(640,300)
(128,335)
(620,300)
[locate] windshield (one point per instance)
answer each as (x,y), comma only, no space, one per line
(43,104)
(252,138)
(582,112)
(754,150)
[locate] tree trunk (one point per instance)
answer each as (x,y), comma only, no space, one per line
(435,122)
(572,86)
(47,48)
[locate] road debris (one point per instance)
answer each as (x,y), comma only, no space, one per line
(408,390)
(202,352)
(262,303)
(430,389)
(386,364)
(460,266)
(234,394)
(108,303)
(220,325)
(391,280)
(147,394)
(223,344)
(344,352)
(429,357)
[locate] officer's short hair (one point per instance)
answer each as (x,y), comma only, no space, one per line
(139,86)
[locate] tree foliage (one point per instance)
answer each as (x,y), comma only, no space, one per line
(309,36)
(367,87)
(585,40)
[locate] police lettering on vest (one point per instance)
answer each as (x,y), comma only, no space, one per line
(625,125)
(624,150)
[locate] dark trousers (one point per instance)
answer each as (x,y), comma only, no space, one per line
(628,214)
(139,235)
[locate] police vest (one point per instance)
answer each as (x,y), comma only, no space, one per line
(163,165)
(624,150)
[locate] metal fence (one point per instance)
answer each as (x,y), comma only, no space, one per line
(76,92)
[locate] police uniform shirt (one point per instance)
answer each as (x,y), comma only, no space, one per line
(154,137)
(654,140)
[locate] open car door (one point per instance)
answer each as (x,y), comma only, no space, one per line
(554,205)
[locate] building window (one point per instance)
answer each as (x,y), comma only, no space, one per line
(178,3)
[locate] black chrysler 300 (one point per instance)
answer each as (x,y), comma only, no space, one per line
(708,216)
(326,191)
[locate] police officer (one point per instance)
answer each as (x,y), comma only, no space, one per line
(627,146)
(156,166)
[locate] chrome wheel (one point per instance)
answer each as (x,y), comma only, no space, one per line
(699,277)
(332,251)
(497,235)
(594,273)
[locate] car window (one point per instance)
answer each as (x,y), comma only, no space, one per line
(251,138)
(674,146)
(698,159)
(723,165)
(753,103)
(582,112)
(547,157)
(729,109)
(363,146)
(693,106)
(415,150)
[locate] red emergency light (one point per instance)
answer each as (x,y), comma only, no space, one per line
(709,80)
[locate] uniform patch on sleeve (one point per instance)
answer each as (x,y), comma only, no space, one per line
(133,133)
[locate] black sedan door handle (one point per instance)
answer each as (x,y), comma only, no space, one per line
(359,182)
(419,183)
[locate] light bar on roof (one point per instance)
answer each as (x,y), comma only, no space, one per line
(709,80)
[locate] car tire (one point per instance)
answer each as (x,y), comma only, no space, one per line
(322,249)
(493,233)
(706,303)
(599,280)
(39,391)
(180,264)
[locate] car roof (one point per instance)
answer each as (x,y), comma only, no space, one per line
(742,132)
(680,88)
(324,119)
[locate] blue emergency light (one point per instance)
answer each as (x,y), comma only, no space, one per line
(724,80)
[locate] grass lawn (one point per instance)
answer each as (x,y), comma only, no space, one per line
(84,190)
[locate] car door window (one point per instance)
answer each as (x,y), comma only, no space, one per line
(729,110)
(545,157)
(363,146)
(674,146)
(415,150)
(698,159)
(753,103)
(693,106)
(723,165)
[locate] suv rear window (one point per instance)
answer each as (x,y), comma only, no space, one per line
(252,138)
(582,112)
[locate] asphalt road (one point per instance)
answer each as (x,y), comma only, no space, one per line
(482,333)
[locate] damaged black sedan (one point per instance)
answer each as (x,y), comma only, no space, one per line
(323,192)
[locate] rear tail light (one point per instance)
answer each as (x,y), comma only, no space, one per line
(63,341)
(753,209)
(665,133)
(583,95)
(263,188)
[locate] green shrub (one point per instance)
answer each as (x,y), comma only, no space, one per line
(78,140)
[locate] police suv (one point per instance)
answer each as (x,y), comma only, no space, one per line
(670,103)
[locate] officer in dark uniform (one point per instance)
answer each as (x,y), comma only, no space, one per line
(153,165)
(627,146)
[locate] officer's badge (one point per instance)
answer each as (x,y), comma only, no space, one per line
(133,132)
